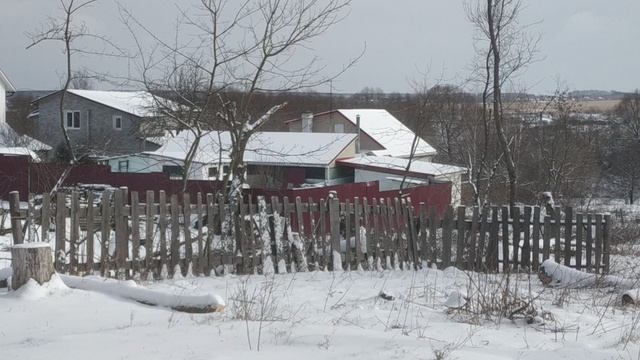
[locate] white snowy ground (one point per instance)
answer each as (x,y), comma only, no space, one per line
(316,315)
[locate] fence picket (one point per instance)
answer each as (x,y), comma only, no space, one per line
(460,242)
(568,234)
(535,239)
(89,233)
(135,232)
(61,224)
(579,239)
(473,239)
(447,230)
(589,254)
(148,231)
(526,239)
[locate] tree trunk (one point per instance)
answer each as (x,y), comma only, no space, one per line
(31,261)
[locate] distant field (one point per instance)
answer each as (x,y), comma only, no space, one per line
(598,105)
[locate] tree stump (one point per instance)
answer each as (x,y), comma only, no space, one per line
(31,261)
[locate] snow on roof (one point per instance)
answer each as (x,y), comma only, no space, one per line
(138,103)
(392,134)
(395,165)
(18,151)
(264,148)
(7,84)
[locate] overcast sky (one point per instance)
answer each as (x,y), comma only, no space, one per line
(586,44)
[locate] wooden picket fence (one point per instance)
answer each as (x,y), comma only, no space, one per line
(126,237)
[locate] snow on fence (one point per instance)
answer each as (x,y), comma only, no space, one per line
(126,237)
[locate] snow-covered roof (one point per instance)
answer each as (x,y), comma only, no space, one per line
(18,151)
(392,134)
(395,165)
(138,103)
(264,148)
(4,80)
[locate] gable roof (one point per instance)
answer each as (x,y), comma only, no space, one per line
(138,103)
(392,134)
(398,166)
(386,130)
(264,148)
(7,84)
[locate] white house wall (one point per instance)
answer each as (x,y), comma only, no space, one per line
(3,103)
(146,164)
(387,184)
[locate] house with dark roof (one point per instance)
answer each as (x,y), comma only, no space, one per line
(98,122)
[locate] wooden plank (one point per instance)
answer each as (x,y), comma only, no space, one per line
(198,267)
(400,231)
(433,230)
(135,232)
(16,218)
(121,234)
(589,253)
(105,231)
(506,266)
(61,230)
(45,217)
(186,224)
(356,226)
(74,235)
(598,244)
(579,240)
(447,231)
(384,238)
(375,214)
(286,213)
(461,226)
(535,239)
(299,208)
(322,230)
(473,238)
(423,234)
(89,233)
(493,239)
(516,228)
(313,230)
(246,265)
(606,251)
(557,234)
(251,250)
(148,233)
(347,235)
(395,242)
(526,239)
(175,234)
(334,223)
(367,226)
(568,234)
(481,258)
(546,244)
(413,242)
(208,248)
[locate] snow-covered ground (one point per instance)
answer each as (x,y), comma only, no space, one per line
(321,315)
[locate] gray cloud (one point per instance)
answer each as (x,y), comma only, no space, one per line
(587,44)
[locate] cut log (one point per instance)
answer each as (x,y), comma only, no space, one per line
(630,297)
(191,304)
(557,275)
(31,261)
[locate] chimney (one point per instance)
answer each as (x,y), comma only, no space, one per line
(358,132)
(307,122)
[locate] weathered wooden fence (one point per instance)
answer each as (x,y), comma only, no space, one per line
(120,235)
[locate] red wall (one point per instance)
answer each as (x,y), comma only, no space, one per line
(18,173)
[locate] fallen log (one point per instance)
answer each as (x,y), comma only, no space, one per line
(561,276)
(195,304)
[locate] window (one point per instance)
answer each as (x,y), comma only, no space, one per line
(123,166)
(338,128)
(225,170)
(117,122)
(72,119)
(213,172)
(173,171)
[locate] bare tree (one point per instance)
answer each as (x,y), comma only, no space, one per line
(507,49)
(233,52)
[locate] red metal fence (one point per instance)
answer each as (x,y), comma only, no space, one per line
(18,173)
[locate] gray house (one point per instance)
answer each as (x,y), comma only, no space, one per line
(99,123)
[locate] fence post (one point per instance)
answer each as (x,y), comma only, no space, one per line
(16,220)
(121,233)
(334,219)
(606,242)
